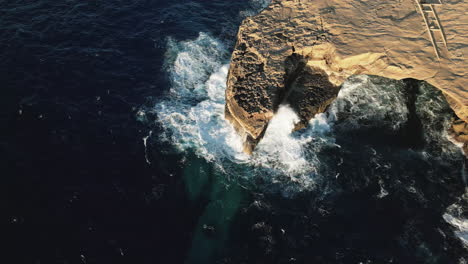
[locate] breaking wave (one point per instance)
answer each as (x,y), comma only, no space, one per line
(456,215)
(192,115)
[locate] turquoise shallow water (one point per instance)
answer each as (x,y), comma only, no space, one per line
(222,204)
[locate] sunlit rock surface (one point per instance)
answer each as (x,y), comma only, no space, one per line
(298,52)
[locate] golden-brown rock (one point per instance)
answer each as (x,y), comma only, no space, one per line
(300,51)
(459,131)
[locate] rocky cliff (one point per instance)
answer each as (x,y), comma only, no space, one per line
(300,51)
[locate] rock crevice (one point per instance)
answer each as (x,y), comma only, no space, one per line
(299,52)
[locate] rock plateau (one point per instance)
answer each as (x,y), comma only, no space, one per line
(299,52)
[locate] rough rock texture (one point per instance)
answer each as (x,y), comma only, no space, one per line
(300,51)
(459,131)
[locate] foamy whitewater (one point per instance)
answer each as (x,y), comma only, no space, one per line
(192,115)
(454,216)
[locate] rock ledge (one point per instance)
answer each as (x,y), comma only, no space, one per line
(300,51)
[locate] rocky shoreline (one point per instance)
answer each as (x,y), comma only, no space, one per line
(299,52)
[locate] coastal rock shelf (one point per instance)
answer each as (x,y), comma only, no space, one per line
(299,52)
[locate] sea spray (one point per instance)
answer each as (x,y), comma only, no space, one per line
(349,164)
(192,115)
(279,149)
(356,144)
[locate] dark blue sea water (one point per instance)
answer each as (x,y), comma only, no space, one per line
(114,149)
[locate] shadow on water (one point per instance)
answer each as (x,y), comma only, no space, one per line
(221,201)
(380,199)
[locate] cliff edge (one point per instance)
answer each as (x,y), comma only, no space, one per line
(300,52)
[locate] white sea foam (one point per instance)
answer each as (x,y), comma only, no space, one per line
(363,102)
(190,64)
(280,149)
(454,216)
(434,114)
(192,115)
(193,112)
(461,226)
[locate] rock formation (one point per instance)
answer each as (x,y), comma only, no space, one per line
(300,52)
(459,131)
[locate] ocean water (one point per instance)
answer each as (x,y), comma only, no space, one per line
(380,138)
(192,116)
(116,150)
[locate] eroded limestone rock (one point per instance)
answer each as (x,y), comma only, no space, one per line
(300,51)
(459,131)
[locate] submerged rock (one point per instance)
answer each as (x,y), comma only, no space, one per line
(299,52)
